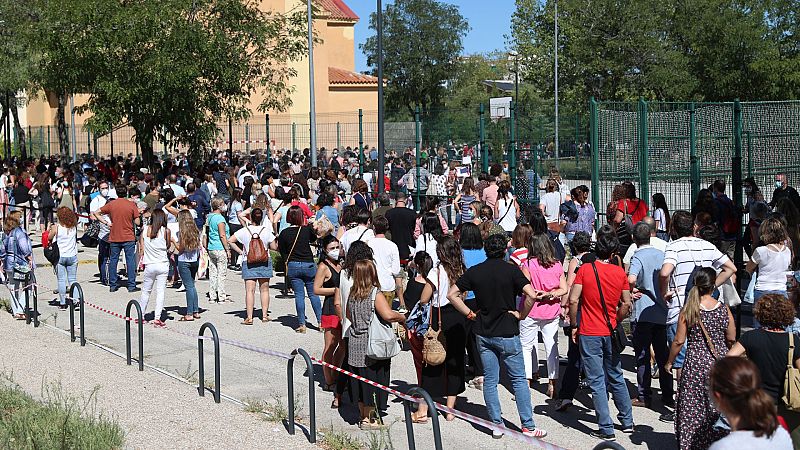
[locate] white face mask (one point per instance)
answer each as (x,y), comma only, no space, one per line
(334,254)
(104,192)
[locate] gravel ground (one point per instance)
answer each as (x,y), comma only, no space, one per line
(156,412)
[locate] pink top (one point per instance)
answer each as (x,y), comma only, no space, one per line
(545,279)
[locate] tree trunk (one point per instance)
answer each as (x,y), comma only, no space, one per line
(21,141)
(3,106)
(61,122)
(144,137)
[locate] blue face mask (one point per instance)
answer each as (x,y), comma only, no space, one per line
(778,184)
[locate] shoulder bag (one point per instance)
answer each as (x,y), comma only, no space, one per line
(51,252)
(434,344)
(382,341)
(791,386)
(286,283)
(618,338)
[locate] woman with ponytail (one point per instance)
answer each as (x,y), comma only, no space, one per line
(735,387)
(708,327)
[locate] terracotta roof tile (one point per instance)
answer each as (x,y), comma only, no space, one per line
(338,10)
(342,76)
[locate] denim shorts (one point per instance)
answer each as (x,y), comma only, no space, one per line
(257,271)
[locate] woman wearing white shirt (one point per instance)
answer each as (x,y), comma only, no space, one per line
(506,209)
(446,379)
(255,274)
(66,236)
(550,204)
(772,259)
(153,245)
(431,232)
(187,244)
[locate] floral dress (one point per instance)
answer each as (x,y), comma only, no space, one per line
(695,414)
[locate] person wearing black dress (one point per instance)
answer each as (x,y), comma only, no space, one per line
(325,283)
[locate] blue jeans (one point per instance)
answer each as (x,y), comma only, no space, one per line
(104,250)
(672,330)
(757,294)
(187,271)
(130,262)
(509,351)
(67,272)
(604,371)
(301,276)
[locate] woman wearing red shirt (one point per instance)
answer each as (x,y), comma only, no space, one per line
(635,207)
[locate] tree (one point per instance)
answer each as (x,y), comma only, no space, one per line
(706,50)
(422,42)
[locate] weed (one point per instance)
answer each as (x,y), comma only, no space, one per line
(58,421)
(253,405)
(339,440)
(380,439)
(188,374)
(276,411)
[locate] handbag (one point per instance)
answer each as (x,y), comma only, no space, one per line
(51,252)
(382,342)
(323,226)
(791,385)
(286,261)
(618,338)
(434,343)
(729,294)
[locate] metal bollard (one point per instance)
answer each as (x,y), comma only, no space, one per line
(34,315)
(72,289)
(201,389)
(312,429)
(611,445)
(140,326)
(437,434)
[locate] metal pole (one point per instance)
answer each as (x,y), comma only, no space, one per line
(72,124)
(482,131)
(381,149)
(512,166)
(418,142)
(555,45)
(360,143)
(6,126)
(594,139)
(48,142)
(736,165)
(694,164)
(338,134)
(111,137)
(644,170)
(312,107)
(247,138)
(230,141)
(269,143)
(294,137)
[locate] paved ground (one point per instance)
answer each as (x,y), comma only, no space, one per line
(247,375)
(155,411)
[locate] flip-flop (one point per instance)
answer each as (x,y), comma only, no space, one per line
(184,319)
(247,322)
(266,319)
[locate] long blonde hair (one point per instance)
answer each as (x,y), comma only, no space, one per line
(189,238)
(365,278)
(703,284)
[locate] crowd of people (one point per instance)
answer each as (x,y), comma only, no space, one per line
(468,283)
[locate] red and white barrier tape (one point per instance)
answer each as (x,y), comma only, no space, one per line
(464,416)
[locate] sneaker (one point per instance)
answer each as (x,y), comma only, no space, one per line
(627,429)
(600,435)
(562,404)
(535,433)
(667,417)
(497,434)
(134,289)
(181,289)
(654,371)
(301,329)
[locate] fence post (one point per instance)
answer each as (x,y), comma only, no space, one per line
(338,135)
(30,316)
(595,150)
(201,369)
(312,427)
(269,143)
(247,137)
(437,434)
(577,138)
(736,166)
(111,138)
(230,139)
(749,153)
(644,171)
(72,289)
(140,326)
(694,163)
(94,142)
(360,143)
(482,138)
(512,151)
(294,137)
(418,143)
(48,141)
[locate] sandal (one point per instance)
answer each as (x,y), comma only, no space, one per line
(186,319)
(335,403)
(196,315)
(419,420)
(449,417)
(19,316)
(247,322)
(266,319)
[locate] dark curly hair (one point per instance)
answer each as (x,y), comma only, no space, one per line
(358,251)
(774,311)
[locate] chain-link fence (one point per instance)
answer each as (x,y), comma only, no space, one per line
(679,148)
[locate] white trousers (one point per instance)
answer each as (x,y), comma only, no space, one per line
(154,274)
(529,337)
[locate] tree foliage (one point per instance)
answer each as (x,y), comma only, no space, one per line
(708,50)
(422,42)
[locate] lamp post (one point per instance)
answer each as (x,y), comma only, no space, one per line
(381,149)
(312,113)
(555,69)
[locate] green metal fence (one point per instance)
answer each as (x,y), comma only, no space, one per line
(679,148)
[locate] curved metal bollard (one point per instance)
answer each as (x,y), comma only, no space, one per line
(312,429)
(611,445)
(140,326)
(437,434)
(201,371)
(75,287)
(30,316)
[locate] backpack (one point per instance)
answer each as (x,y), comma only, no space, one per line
(569,211)
(256,253)
(46,199)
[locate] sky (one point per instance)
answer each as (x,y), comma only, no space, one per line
(489,22)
